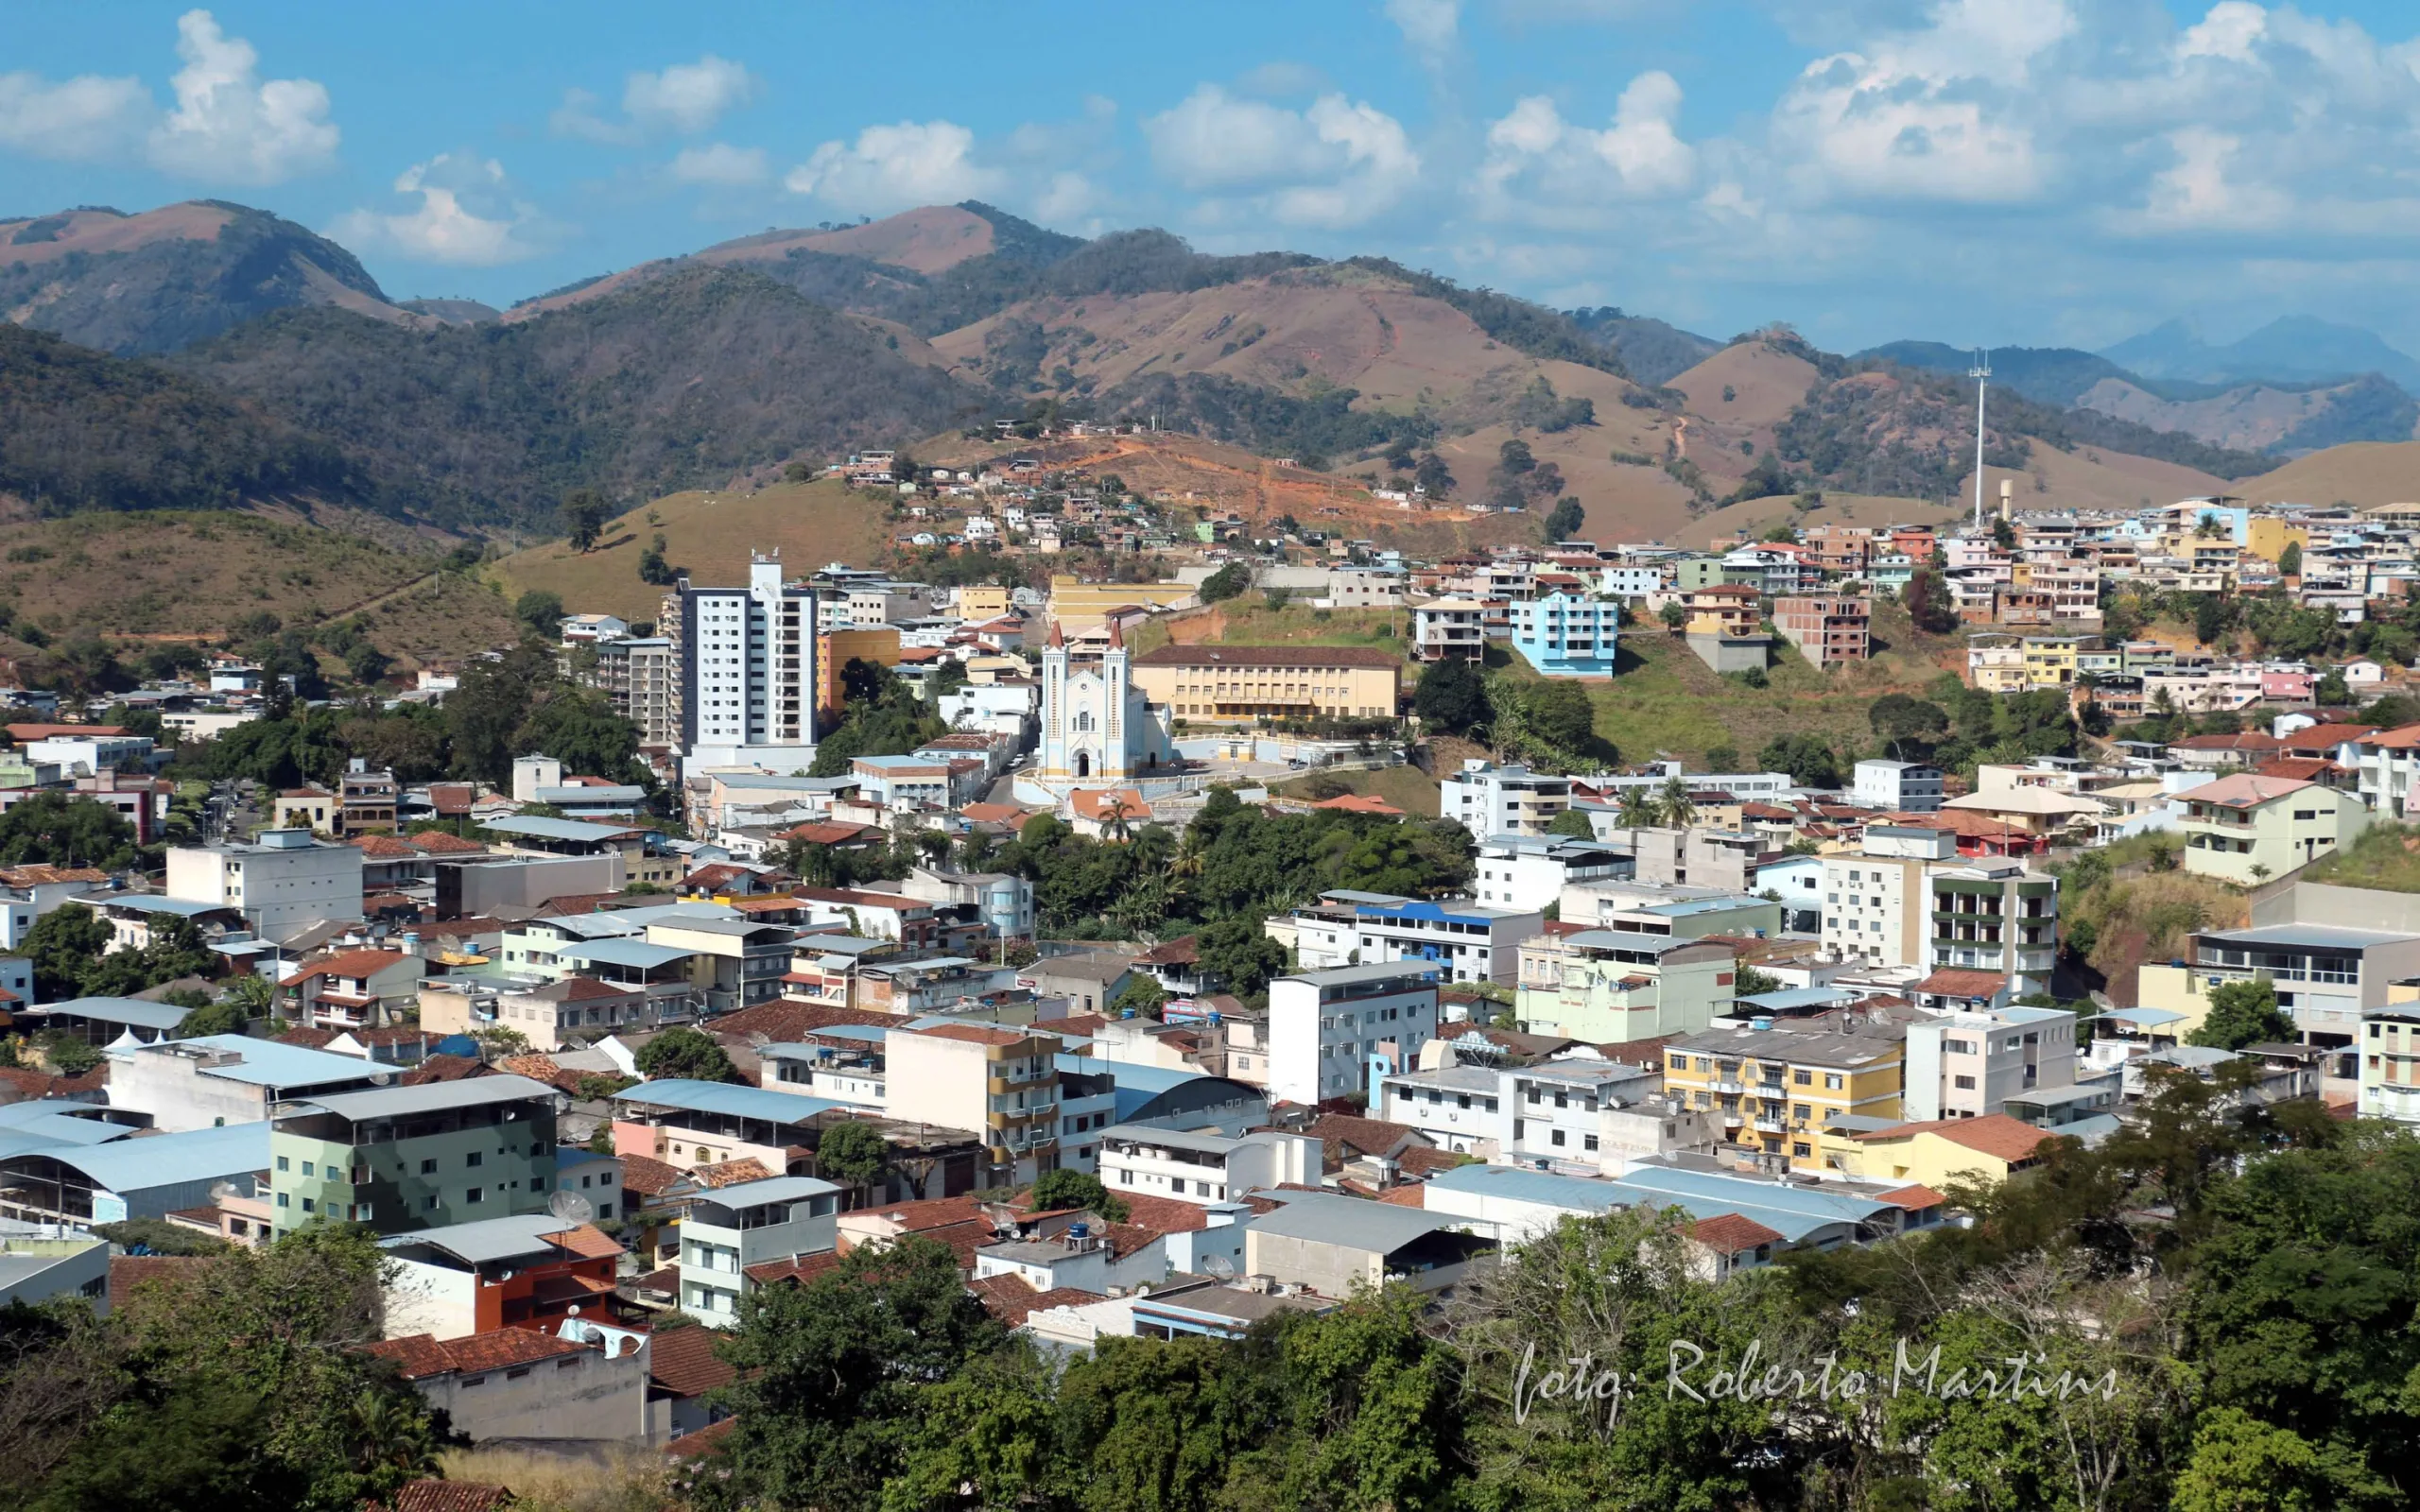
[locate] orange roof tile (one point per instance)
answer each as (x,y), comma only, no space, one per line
(732,1173)
(683,1362)
(1730,1233)
(1993,1134)
(1914,1198)
(419,1356)
(1951,982)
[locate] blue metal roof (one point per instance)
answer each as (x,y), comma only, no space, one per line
(728,1099)
(170,1160)
(267,1063)
(543,829)
(131,1011)
(1578,1192)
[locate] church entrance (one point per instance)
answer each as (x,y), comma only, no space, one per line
(1084,763)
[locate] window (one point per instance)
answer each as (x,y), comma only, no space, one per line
(281,1199)
(283,1166)
(428,1167)
(1554,1139)
(1588,1141)
(308,1206)
(1832,1081)
(473,1158)
(1965,1084)
(1800,1149)
(428,1204)
(1803,1077)
(308,1169)
(475,1195)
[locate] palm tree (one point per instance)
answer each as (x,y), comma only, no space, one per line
(1679,812)
(1117,828)
(1639,810)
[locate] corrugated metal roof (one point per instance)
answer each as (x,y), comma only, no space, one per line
(170,1160)
(269,1063)
(1351,1223)
(623,952)
(428,1097)
(132,1011)
(728,1099)
(543,829)
(776,1189)
(488,1239)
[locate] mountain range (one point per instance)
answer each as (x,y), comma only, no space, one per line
(205,353)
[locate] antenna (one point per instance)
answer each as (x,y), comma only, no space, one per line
(1981,374)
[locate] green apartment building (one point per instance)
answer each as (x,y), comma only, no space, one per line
(1994,915)
(396,1159)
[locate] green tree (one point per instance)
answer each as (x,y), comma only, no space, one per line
(226,1016)
(1563,521)
(541,613)
(1065,1187)
(2003,535)
(1572,824)
(1808,761)
(1748,982)
(59,829)
(1225,583)
(1903,721)
(2243,1013)
(62,945)
(1560,712)
(1433,477)
(1673,615)
(835,1377)
(1142,997)
(2289,561)
(1239,956)
(682,1053)
(585,512)
(1451,698)
(853,1154)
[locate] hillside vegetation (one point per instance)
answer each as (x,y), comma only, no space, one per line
(686,381)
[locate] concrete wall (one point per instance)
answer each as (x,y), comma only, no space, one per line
(577,1397)
(477,889)
(1327,1269)
(437,1301)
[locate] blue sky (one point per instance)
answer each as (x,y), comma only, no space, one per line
(2001,171)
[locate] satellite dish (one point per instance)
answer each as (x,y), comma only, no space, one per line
(221,1190)
(1217,1266)
(571,1207)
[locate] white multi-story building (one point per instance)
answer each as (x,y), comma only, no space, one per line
(1902,787)
(1525,873)
(1967,1064)
(728,1229)
(281,882)
(1875,901)
(1488,799)
(745,662)
(1450,629)
(1205,1167)
(1465,940)
(1326,1028)
(1630,582)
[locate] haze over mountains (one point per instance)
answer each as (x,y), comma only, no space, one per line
(208,353)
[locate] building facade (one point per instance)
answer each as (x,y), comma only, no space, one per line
(744,657)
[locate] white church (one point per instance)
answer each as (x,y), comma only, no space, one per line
(1097,728)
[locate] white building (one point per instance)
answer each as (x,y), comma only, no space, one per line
(1326,1028)
(90,755)
(1526,872)
(1901,787)
(754,1223)
(745,658)
(1461,1108)
(1462,939)
(281,882)
(1205,1167)
(1876,901)
(229,1078)
(1488,799)
(1966,1064)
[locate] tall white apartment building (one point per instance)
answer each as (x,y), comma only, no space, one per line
(1490,800)
(1876,901)
(744,657)
(281,882)
(1325,1027)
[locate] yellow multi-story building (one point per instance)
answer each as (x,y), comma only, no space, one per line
(1078,608)
(1988,1149)
(983,601)
(2268,535)
(2050,660)
(835,649)
(1242,685)
(1778,1089)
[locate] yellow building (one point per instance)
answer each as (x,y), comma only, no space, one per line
(1078,607)
(982,601)
(2269,535)
(1240,684)
(1988,1149)
(2050,660)
(1731,609)
(1777,1089)
(1996,668)
(835,649)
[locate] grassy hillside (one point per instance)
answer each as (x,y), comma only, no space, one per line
(1666,702)
(711,534)
(1250,621)
(217,576)
(2364,474)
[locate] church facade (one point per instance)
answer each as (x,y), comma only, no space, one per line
(1099,729)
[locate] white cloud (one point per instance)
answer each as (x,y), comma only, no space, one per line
(1338,164)
(84,119)
(1427,25)
(688,97)
(890,168)
(229,125)
(2228,32)
(446,227)
(1929,113)
(684,100)
(722,164)
(1534,155)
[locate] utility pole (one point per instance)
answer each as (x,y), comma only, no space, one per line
(1981,374)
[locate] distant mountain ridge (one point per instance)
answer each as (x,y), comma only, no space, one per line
(152,283)
(2294,349)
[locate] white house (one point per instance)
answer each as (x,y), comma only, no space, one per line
(1327,1028)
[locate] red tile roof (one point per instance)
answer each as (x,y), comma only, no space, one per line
(349,963)
(1914,1199)
(712,1439)
(797,1269)
(1993,1134)
(419,1356)
(1360,803)
(732,1173)
(1411,1194)
(443,1067)
(439,843)
(130,1272)
(649,1176)
(2243,790)
(975,1034)
(1106,803)
(1010,1300)
(682,1360)
(1951,982)
(2319,738)
(445,1496)
(782,1022)
(1214,655)
(2249,740)
(1730,1233)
